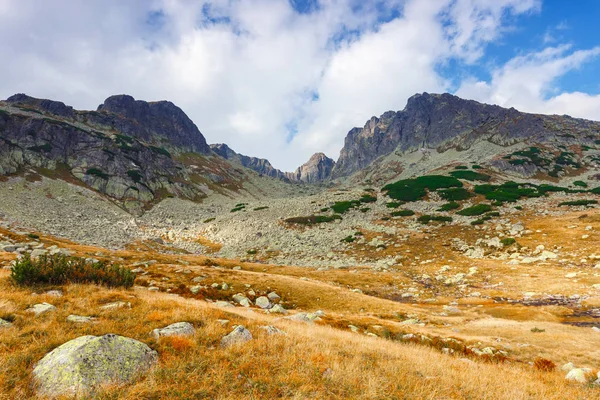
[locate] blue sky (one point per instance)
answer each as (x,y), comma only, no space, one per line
(282,79)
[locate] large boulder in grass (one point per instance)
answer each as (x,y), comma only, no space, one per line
(238,335)
(83,364)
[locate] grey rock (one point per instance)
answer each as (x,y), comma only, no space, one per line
(41,308)
(79,366)
(79,319)
(116,305)
(274,297)
(263,302)
(238,335)
(272,330)
(176,329)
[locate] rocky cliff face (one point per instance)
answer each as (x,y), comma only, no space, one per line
(134,152)
(444,121)
(260,165)
(318,168)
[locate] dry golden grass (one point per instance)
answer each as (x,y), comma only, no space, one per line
(310,362)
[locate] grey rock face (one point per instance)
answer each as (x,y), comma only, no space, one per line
(82,364)
(318,168)
(260,165)
(53,107)
(150,121)
(444,121)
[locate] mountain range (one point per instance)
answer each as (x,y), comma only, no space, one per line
(139,152)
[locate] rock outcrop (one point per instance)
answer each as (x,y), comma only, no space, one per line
(444,121)
(317,169)
(260,165)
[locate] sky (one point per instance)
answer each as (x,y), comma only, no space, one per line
(283,79)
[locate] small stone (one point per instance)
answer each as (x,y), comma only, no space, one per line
(278,309)
(78,319)
(54,293)
(568,367)
(353,328)
(239,334)
(176,329)
(223,322)
(274,297)
(224,304)
(271,330)
(116,305)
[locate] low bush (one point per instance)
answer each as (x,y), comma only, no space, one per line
(425,219)
(60,269)
(455,194)
(475,210)
(394,204)
(367,198)
(508,241)
(312,219)
(580,184)
(449,206)
(261,208)
(461,167)
(209,220)
(348,239)
(340,207)
(402,213)
(579,203)
(416,189)
(470,176)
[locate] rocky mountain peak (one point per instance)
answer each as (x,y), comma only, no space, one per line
(53,107)
(318,168)
(260,165)
(160,120)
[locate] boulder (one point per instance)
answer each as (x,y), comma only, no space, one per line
(176,329)
(239,334)
(274,297)
(577,375)
(263,302)
(41,308)
(278,309)
(82,364)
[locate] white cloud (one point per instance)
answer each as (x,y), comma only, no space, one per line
(526,83)
(247,71)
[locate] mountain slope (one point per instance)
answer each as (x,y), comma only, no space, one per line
(444,121)
(260,165)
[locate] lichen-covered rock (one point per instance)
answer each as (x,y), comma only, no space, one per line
(83,364)
(176,329)
(239,334)
(80,319)
(41,308)
(263,302)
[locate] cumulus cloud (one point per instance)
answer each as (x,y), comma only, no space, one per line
(272,78)
(527,83)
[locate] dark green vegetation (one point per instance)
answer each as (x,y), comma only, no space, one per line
(239,207)
(209,220)
(33,236)
(340,207)
(403,213)
(97,172)
(578,203)
(455,194)
(449,206)
(367,198)
(425,219)
(580,184)
(135,175)
(348,239)
(507,241)
(475,210)
(475,166)
(470,176)
(312,219)
(512,191)
(60,269)
(416,189)
(461,167)
(261,208)
(394,204)
(161,151)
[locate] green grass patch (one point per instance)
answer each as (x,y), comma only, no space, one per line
(580,184)
(475,166)
(348,239)
(340,207)
(367,198)
(475,210)
(461,167)
(394,204)
(507,241)
(261,208)
(60,269)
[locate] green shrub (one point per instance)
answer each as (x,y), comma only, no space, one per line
(324,209)
(261,208)
(477,222)
(470,176)
(364,209)
(236,209)
(454,194)
(340,207)
(394,204)
(348,239)
(518,208)
(475,166)
(60,269)
(252,251)
(134,175)
(461,167)
(449,206)
(33,236)
(507,241)
(368,199)
(595,190)
(97,172)
(425,219)
(493,214)
(209,220)
(312,219)
(578,203)
(403,213)
(580,184)
(416,189)
(475,210)
(161,151)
